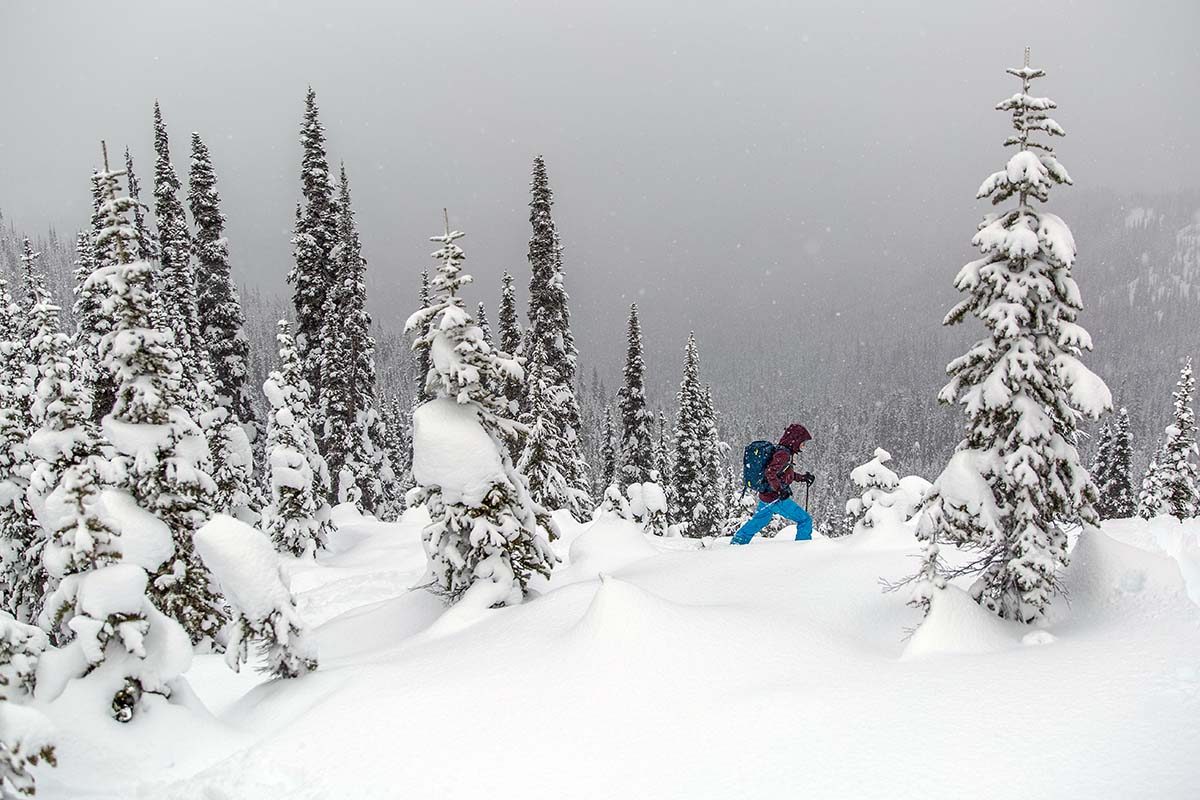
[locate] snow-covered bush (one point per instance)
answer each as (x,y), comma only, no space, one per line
(119,638)
(24,733)
(297,517)
(876,482)
(247,569)
(1022,387)
(644,504)
(486,533)
(886,499)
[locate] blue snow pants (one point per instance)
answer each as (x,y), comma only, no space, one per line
(785,507)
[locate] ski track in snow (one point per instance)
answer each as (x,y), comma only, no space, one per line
(774,670)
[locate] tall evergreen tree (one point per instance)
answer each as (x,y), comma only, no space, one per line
(691,473)
(1116,488)
(20,536)
(144,248)
(350,419)
(608,453)
(160,455)
(91,321)
(637,437)
(297,516)
(421,354)
(663,463)
(316,236)
(218,306)
(1023,387)
(551,403)
(490,538)
(68,472)
(101,602)
(176,284)
(1172,483)
(716,496)
(509,341)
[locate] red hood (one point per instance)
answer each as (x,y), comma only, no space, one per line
(794,436)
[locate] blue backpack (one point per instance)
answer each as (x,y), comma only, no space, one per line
(755,458)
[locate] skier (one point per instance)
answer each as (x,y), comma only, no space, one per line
(776,496)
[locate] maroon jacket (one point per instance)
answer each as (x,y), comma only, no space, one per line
(779,472)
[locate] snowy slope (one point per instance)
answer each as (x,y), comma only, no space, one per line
(775,670)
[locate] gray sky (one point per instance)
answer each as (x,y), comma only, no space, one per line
(707,158)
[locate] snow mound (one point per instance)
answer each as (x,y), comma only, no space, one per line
(451,450)
(627,619)
(1178,539)
(957,625)
(1105,574)
(608,545)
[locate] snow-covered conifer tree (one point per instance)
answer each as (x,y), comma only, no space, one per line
(357,466)
(663,464)
(876,482)
(1016,479)
(1114,482)
(144,248)
(1172,482)
(297,517)
(488,535)
(161,454)
(691,473)
(717,500)
(509,338)
(91,322)
(313,243)
(176,280)
(551,404)
(264,611)
(637,437)
(20,592)
(24,732)
(608,453)
(105,543)
(218,307)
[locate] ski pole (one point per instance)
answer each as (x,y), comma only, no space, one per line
(807,486)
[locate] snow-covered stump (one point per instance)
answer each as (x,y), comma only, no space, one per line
(247,568)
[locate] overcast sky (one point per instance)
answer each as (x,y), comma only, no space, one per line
(708,159)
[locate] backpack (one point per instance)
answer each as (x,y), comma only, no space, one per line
(755,458)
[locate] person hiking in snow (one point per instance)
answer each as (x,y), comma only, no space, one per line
(773,480)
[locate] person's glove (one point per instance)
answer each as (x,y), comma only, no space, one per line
(807,478)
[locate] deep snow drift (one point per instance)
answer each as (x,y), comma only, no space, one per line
(774,670)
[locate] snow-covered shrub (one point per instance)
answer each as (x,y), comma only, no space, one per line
(248,571)
(1022,387)
(20,648)
(876,482)
(642,503)
(885,498)
(24,733)
(25,741)
(485,531)
(297,516)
